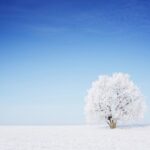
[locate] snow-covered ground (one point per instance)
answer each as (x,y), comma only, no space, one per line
(74,138)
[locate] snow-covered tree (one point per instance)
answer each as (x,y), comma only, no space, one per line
(114,98)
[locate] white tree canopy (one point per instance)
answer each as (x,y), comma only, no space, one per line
(115,98)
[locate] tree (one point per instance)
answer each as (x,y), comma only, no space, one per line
(114,98)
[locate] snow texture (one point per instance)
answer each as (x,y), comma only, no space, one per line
(73,138)
(114,97)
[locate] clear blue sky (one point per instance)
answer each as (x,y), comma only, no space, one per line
(51,51)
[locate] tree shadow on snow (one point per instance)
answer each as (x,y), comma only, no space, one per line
(133,126)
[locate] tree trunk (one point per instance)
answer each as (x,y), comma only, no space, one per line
(112,123)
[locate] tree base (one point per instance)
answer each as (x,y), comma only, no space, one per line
(112,125)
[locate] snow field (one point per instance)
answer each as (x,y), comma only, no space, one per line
(73,138)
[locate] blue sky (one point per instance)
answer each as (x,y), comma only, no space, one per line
(51,51)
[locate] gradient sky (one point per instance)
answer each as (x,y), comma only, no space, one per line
(51,51)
